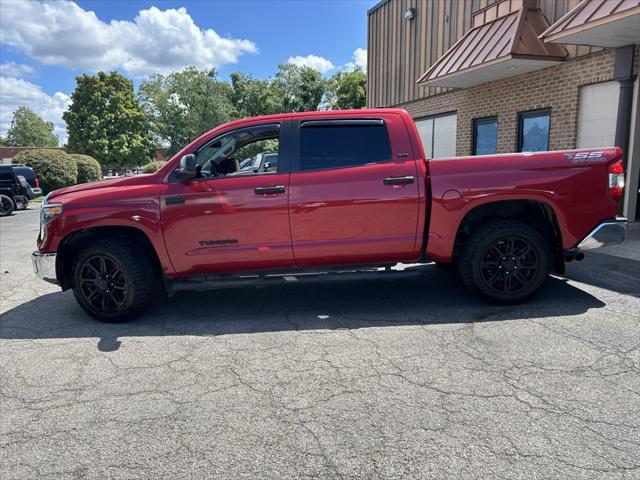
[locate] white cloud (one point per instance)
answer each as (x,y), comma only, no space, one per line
(156,41)
(320,64)
(359,59)
(13,69)
(16,91)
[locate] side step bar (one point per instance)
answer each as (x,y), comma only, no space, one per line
(216,282)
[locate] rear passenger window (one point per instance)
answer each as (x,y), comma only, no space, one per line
(342,144)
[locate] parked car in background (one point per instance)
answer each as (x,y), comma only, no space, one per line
(12,195)
(352,194)
(33,189)
(261,163)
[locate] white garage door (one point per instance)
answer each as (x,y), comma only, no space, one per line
(597,115)
(438,135)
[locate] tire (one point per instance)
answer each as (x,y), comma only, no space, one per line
(6,206)
(113,280)
(505,261)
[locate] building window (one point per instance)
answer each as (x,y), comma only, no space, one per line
(533,130)
(485,135)
(597,114)
(438,135)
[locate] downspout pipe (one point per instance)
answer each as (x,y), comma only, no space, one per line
(623,73)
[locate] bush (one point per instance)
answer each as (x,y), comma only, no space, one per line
(54,168)
(89,169)
(153,167)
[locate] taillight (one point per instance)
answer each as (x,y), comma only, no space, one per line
(616,180)
(37,183)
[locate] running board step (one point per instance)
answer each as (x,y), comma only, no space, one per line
(215,282)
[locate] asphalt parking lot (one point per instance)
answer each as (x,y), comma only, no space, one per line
(411,378)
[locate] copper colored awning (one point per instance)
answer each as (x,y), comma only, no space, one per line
(603,23)
(503,47)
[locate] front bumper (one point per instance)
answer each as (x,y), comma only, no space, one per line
(44,265)
(610,232)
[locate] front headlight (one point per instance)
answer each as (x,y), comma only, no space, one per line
(47,212)
(51,210)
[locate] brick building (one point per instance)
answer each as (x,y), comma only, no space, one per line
(7,153)
(486,76)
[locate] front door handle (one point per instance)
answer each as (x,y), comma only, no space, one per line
(398,180)
(269,190)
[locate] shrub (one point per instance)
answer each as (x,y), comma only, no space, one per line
(89,169)
(153,167)
(54,168)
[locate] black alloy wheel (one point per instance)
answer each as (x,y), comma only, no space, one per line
(103,283)
(505,261)
(114,279)
(509,265)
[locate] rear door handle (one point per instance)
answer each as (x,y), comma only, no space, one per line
(398,180)
(269,190)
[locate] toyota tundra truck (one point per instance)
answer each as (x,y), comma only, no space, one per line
(351,195)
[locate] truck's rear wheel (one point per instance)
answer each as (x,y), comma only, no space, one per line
(113,280)
(6,206)
(505,261)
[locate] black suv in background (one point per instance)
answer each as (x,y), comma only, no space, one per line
(13,195)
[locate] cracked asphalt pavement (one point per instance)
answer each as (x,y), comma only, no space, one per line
(411,378)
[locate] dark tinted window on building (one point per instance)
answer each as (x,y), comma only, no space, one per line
(337,145)
(533,130)
(485,136)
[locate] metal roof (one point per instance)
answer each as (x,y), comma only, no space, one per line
(510,37)
(608,23)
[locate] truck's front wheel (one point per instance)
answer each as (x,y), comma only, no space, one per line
(505,261)
(113,280)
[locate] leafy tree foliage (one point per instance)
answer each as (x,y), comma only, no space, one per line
(88,168)
(300,89)
(28,129)
(348,90)
(183,105)
(106,121)
(252,97)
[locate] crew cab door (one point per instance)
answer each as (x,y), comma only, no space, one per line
(355,193)
(233,221)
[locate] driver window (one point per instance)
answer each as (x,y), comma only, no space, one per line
(246,151)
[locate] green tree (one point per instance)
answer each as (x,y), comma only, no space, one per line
(300,88)
(348,90)
(252,97)
(28,129)
(184,105)
(106,121)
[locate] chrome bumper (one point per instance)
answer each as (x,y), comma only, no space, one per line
(607,233)
(44,265)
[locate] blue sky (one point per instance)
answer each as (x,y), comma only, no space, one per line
(45,45)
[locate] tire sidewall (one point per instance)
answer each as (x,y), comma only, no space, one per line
(122,313)
(487,238)
(8,203)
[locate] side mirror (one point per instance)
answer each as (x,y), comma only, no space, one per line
(187,170)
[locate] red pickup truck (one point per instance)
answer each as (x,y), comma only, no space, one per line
(309,196)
